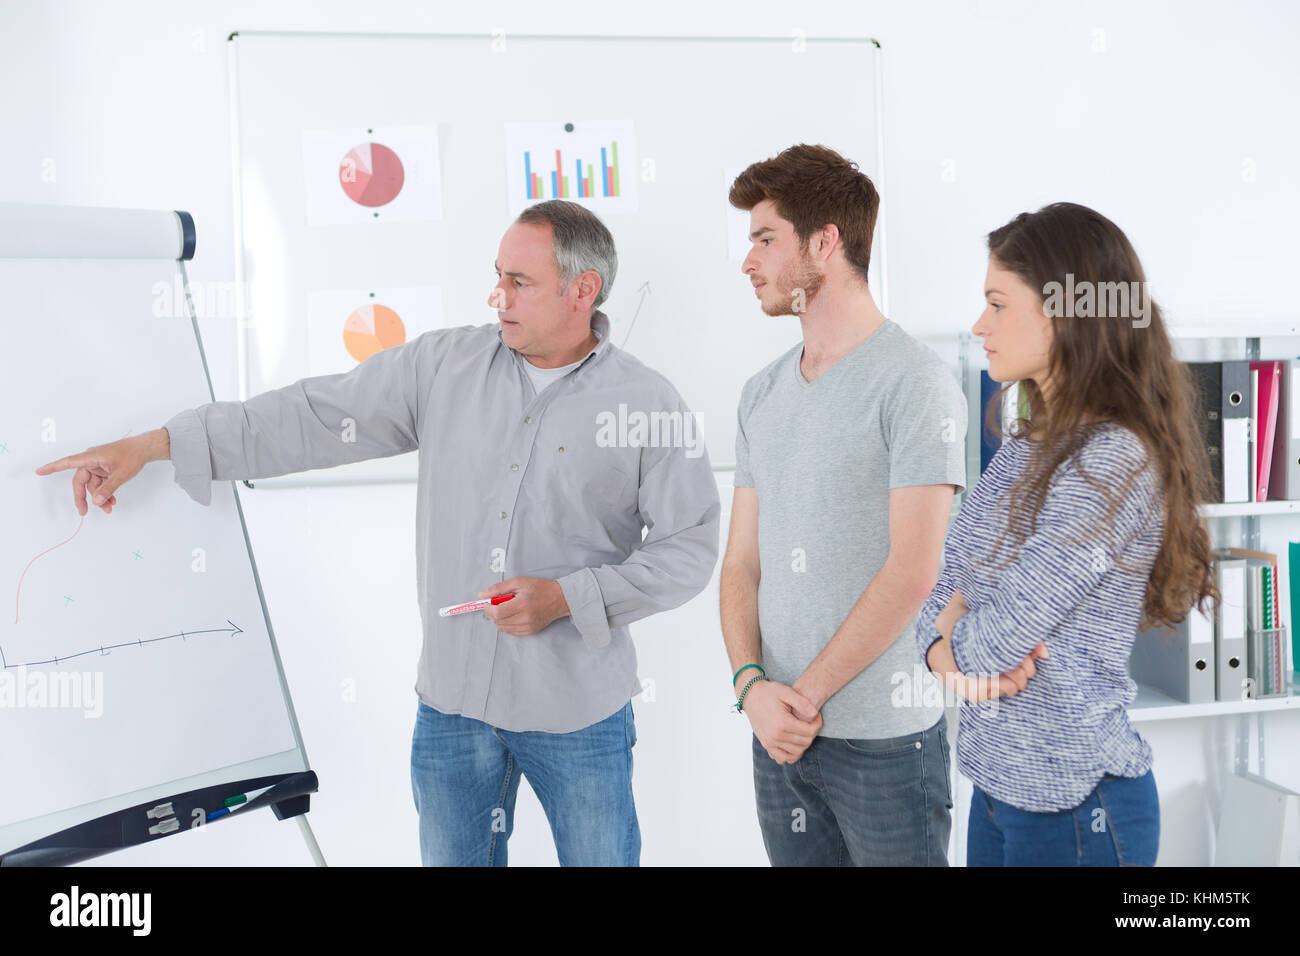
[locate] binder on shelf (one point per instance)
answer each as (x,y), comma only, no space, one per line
(1178,662)
(1284,479)
(1235,412)
(1252,432)
(1230,629)
(989,443)
(1225,423)
(1271,611)
(1266,376)
(1208,378)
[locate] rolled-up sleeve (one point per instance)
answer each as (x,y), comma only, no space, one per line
(371,411)
(679,505)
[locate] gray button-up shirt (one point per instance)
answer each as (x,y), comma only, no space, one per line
(559,485)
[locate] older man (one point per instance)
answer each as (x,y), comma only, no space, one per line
(522,491)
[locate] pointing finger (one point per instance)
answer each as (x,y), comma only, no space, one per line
(63,464)
(50,467)
(79,490)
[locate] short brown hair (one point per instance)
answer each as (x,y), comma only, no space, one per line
(812,186)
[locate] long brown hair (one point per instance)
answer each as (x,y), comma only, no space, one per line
(1115,368)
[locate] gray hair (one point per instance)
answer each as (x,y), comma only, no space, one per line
(581,242)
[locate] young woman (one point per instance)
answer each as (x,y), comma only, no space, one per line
(1082,530)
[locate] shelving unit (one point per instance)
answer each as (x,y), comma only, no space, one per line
(1243,509)
(1150,704)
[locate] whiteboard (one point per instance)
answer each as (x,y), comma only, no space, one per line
(699,107)
(138,657)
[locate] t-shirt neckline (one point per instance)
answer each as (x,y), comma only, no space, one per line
(861,347)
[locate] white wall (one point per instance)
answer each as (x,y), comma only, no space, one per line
(991,108)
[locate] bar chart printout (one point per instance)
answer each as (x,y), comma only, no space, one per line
(589,162)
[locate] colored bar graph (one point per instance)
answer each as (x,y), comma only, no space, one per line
(585,185)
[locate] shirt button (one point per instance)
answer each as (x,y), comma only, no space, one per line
(528,420)
(918,745)
(503,514)
(561,448)
(514,467)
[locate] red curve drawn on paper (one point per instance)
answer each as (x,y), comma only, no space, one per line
(33,561)
(47,551)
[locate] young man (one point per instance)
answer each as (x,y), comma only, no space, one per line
(849,449)
(520,492)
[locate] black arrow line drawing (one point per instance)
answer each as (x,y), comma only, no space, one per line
(233,630)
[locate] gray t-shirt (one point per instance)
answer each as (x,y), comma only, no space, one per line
(823,457)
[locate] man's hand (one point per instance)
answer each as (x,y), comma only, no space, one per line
(536,603)
(105,468)
(784,720)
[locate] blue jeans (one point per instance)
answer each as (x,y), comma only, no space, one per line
(1118,824)
(849,802)
(465,775)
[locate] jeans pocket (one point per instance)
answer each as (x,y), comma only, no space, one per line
(885,746)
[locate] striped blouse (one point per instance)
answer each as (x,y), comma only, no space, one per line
(1081,591)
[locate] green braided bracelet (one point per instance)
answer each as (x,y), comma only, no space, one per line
(740,704)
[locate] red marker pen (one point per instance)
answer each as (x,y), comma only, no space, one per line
(473,605)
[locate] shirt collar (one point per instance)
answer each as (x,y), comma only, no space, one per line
(599,328)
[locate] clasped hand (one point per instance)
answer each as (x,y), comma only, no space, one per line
(784,720)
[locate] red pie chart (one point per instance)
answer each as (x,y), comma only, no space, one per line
(371,329)
(371,174)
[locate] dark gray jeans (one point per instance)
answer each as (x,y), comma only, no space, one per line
(853,802)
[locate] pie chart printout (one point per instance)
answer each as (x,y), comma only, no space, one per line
(371,174)
(371,329)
